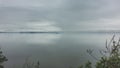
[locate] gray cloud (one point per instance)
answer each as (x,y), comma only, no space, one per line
(67,14)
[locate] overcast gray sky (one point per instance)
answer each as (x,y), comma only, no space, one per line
(59,15)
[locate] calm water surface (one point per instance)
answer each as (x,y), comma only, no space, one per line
(52,50)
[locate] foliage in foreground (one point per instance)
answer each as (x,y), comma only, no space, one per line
(29,64)
(110,58)
(2,59)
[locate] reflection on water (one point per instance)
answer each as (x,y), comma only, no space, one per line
(53,50)
(43,38)
(29,38)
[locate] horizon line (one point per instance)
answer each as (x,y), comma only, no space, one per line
(95,31)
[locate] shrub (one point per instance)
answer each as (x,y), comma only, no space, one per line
(2,59)
(110,58)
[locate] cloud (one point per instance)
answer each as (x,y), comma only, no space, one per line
(67,14)
(30,3)
(34,26)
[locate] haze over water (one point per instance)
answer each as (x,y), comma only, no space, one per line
(62,50)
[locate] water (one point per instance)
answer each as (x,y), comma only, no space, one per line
(52,50)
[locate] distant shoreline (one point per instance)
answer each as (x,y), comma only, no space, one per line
(30,32)
(57,32)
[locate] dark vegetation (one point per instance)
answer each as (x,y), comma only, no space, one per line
(2,59)
(110,57)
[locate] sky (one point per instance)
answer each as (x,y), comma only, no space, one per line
(59,15)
